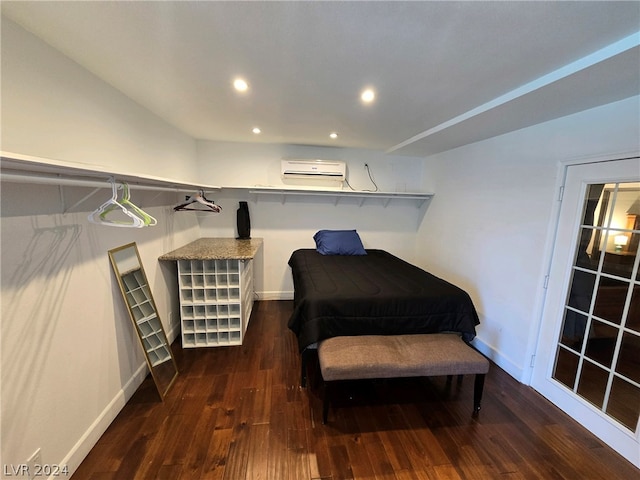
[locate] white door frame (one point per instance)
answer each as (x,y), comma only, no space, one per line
(550,241)
(583,410)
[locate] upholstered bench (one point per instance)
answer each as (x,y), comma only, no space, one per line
(393,356)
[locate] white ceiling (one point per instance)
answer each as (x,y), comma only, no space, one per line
(446,73)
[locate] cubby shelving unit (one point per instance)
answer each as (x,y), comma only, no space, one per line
(216,292)
(146,320)
(216,299)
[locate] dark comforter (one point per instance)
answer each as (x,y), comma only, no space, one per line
(373,294)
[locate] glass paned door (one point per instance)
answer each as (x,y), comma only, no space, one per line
(598,350)
(588,357)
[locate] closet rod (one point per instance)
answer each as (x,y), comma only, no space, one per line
(78,182)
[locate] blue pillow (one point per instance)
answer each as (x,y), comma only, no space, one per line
(339,242)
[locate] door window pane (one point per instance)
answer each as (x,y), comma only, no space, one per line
(566,367)
(573,328)
(596,202)
(626,216)
(586,255)
(629,357)
(581,290)
(593,383)
(617,260)
(624,403)
(610,299)
(602,343)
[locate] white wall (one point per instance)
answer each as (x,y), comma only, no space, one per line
(488,226)
(289,226)
(54,108)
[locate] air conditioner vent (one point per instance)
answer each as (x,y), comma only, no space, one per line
(317,169)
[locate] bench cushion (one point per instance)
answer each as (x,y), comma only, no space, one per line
(390,356)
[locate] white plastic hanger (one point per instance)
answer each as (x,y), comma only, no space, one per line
(147,219)
(99,216)
(199,198)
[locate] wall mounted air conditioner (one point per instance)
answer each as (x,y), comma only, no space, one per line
(335,170)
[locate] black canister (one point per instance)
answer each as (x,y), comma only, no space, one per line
(243,221)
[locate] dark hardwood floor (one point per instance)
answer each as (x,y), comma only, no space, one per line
(239,413)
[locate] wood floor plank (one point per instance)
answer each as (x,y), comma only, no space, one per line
(100,476)
(392,444)
(214,465)
(415,474)
(297,459)
(239,413)
(262,398)
(358,458)
(277,448)
(446,472)
(238,455)
(340,464)
(197,453)
(320,461)
(168,472)
(168,443)
(426,446)
(258,455)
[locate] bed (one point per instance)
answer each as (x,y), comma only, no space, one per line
(372,293)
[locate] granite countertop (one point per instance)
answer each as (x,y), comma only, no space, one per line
(215,249)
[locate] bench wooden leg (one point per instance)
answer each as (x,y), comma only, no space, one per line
(325,403)
(478,387)
(303,368)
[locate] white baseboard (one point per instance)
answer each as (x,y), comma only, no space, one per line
(274,295)
(173,333)
(82,448)
(499,359)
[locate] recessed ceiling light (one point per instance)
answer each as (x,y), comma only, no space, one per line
(256,130)
(333,135)
(240,85)
(368,95)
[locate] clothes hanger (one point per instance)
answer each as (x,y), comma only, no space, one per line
(99,215)
(147,219)
(125,201)
(199,198)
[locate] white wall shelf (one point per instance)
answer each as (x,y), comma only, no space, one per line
(20,168)
(35,170)
(338,195)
